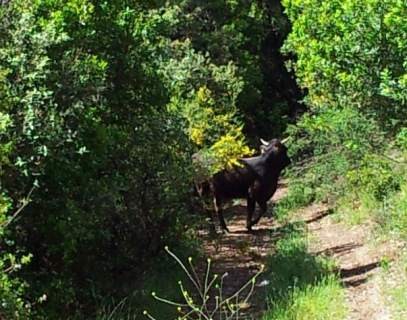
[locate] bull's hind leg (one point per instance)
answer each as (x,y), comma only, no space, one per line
(251,205)
(211,221)
(218,209)
(263,210)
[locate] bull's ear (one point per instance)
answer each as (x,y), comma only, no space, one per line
(264,142)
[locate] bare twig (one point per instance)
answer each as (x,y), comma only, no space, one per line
(25,202)
(226,307)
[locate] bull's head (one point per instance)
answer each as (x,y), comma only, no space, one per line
(264,144)
(276,150)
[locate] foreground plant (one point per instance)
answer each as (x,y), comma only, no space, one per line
(200,304)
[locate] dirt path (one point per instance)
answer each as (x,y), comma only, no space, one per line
(358,259)
(241,255)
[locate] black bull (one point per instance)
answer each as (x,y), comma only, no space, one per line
(255,179)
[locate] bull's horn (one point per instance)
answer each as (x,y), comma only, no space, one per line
(285,140)
(264,142)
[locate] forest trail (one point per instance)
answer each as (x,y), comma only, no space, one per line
(241,255)
(358,258)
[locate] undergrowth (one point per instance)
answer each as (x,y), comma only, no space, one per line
(311,303)
(203,297)
(384,204)
(161,276)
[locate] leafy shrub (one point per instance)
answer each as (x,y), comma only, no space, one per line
(327,145)
(393,214)
(375,176)
(13,301)
(350,58)
(351,54)
(401,139)
(208,103)
(111,162)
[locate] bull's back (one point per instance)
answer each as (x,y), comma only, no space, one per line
(234,183)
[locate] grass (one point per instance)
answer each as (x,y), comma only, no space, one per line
(320,301)
(389,214)
(394,282)
(396,212)
(399,295)
(298,196)
(396,288)
(356,208)
(302,286)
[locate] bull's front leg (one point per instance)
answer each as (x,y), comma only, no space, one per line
(263,210)
(218,209)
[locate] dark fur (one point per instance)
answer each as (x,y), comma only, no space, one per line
(255,180)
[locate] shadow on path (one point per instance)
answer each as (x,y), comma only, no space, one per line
(340,249)
(354,277)
(319,215)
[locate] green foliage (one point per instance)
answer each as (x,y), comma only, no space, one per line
(220,47)
(12,289)
(111,163)
(13,303)
(206,95)
(377,193)
(352,54)
(101,106)
(330,144)
(351,60)
(401,139)
(374,176)
(349,145)
(393,214)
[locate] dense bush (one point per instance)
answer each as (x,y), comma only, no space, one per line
(351,60)
(12,299)
(101,106)
(110,162)
(352,54)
